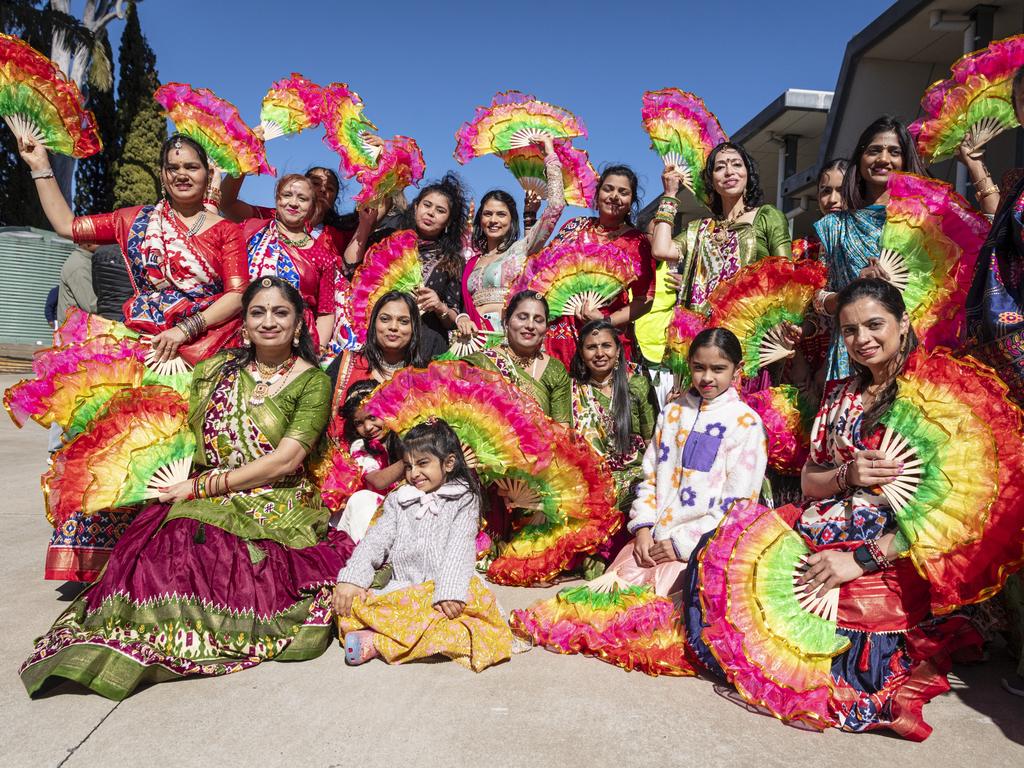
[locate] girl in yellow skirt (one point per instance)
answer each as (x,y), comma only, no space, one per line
(434,603)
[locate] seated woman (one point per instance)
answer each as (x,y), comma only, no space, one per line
(232,567)
(897,657)
(282,247)
(612,404)
(708,450)
(499,251)
(521,358)
(434,603)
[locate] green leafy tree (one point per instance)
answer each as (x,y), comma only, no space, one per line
(94,176)
(142,128)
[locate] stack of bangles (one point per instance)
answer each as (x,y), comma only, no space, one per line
(212,199)
(877,554)
(668,207)
(841,479)
(213,482)
(991,189)
(193,326)
(818,303)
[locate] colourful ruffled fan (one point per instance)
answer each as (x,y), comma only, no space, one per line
(959,501)
(572,275)
(338,477)
(683,132)
(216,125)
(626,625)
(40,104)
(347,129)
(399,165)
(393,264)
(532,460)
(765,632)
(513,120)
(972,107)
(787,418)
(682,328)
(578,176)
(80,326)
(291,105)
(124,457)
(930,246)
(756,301)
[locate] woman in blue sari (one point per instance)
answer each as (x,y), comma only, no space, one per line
(851,239)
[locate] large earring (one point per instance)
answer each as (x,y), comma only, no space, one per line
(245,338)
(295,339)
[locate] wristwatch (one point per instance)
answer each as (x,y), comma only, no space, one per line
(864,559)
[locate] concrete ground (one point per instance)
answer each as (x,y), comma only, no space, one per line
(540,709)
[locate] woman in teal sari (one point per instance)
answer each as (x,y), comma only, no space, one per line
(851,238)
(235,566)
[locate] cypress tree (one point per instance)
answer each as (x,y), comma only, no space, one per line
(142,128)
(94,176)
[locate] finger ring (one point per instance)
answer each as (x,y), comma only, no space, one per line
(872,463)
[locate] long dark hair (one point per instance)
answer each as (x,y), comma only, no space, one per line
(854,191)
(414,353)
(480,238)
(892,300)
(621,399)
(176,139)
(753,195)
(634,185)
(355,397)
(519,298)
(450,241)
(722,339)
(438,439)
(305,349)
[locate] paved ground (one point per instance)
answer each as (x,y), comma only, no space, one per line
(538,710)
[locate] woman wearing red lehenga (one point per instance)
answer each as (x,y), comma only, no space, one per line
(188,271)
(616,199)
(283,247)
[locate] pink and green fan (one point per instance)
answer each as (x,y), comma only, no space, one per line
(579,178)
(757,301)
(215,125)
(399,165)
(139,443)
(292,104)
(683,132)
(574,275)
(930,245)
(773,640)
(347,129)
(40,104)
(682,329)
(393,264)
(787,417)
(513,120)
(533,462)
(973,106)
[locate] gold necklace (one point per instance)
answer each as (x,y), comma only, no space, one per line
(526,363)
(268,376)
(298,243)
(720,229)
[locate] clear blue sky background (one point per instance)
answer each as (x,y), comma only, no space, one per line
(421,68)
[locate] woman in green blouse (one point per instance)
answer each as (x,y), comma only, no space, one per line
(236,565)
(521,358)
(741,230)
(612,405)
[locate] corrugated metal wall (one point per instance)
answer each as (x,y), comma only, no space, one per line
(31,260)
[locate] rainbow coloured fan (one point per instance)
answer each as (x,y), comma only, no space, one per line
(216,126)
(41,105)
(139,443)
(958,500)
(393,264)
(682,328)
(516,446)
(787,417)
(399,165)
(683,132)
(756,302)
(576,275)
(292,104)
(973,106)
(347,129)
(930,245)
(773,640)
(513,120)
(579,178)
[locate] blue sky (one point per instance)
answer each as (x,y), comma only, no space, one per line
(421,68)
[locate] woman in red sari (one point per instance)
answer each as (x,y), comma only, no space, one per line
(188,271)
(617,202)
(283,247)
